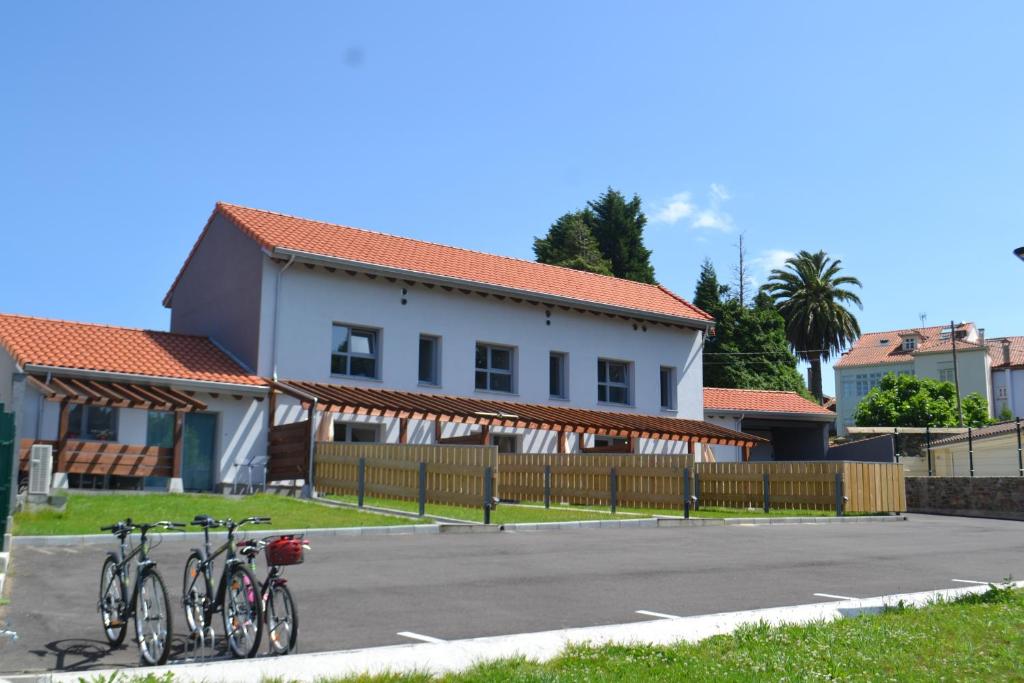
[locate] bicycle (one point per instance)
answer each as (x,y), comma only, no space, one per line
(280,616)
(147,603)
(237,595)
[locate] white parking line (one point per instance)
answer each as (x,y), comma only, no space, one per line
(980,583)
(837,597)
(660,615)
(417,636)
(44,551)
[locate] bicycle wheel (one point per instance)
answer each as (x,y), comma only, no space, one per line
(153,619)
(195,593)
(112,602)
(243,618)
(281,619)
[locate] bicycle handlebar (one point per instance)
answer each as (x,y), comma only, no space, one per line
(128,526)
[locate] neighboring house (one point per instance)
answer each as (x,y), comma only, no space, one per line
(923,351)
(1007,358)
(370,337)
(309,301)
(174,409)
(794,428)
(996,451)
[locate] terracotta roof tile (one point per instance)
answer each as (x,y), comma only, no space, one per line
(885,348)
(279,231)
(761,401)
(995,352)
(104,348)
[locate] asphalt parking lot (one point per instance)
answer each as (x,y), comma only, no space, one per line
(367,591)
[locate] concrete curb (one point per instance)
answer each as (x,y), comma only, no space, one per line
(452,656)
(472,528)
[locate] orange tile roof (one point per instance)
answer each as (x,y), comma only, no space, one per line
(104,348)
(884,348)
(761,401)
(279,231)
(995,352)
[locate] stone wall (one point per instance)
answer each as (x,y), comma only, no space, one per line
(999,497)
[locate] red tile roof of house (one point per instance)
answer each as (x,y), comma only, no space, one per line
(761,401)
(884,348)
(125,350)
(279,231)
(995,352)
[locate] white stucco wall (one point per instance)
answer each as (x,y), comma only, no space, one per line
(1014,396)
(311,301)
(847,399)
(726,453)
(993,457)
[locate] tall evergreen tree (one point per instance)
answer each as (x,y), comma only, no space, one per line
(709,293)
(618,226)
(571,243)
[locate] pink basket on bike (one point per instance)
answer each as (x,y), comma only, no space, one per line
(284,550)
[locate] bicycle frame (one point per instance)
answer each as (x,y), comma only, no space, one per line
(123,570)
(215,604)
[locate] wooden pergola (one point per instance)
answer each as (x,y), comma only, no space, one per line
(405,405)
(89,457)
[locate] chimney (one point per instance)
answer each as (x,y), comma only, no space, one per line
(1006,351)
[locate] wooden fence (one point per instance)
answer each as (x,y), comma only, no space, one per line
(450,475)
(104,457)
(455,475)
(288,451)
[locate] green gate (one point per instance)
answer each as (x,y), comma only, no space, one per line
(6,467)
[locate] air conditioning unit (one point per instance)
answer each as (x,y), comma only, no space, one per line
(40,470)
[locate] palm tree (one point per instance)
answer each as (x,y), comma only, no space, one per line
(810,294)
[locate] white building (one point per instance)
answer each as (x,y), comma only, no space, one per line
(1007,357)
(923,351)
(522,355)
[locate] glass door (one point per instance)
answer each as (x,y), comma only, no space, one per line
(198,457)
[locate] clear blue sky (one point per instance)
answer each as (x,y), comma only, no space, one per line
(889,134)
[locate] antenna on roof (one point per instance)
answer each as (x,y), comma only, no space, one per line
(923,317)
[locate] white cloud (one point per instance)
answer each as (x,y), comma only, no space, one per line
(676,209)
(711,217)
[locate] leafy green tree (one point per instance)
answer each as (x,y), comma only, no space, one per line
(618,226)
(909,401)
(810,294)
(571,243)
(749,349)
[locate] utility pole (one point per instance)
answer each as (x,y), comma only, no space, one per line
(741,272)
(956,374)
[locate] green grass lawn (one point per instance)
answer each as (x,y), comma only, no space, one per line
(977,638)
(532,513)
(86,513)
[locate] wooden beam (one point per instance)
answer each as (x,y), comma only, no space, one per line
(437,431)
(563,442)
(62,436)
(403,430)
(485,435)
(746,454)
(272,407)
(179,445)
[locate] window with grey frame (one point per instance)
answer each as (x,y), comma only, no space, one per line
(430,360)
(613,382)
(668,387)
(494,368)
(355,351)
(557,385)
(92,423)
(349,432)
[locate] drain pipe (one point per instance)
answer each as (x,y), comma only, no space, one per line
(277,301)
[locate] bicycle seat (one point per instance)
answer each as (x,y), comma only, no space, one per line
(205,521)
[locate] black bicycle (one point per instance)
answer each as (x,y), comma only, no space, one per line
(280,616)
(237,597)
(145,599)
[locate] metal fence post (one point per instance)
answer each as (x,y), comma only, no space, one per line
(767,488)
(361,481)
(423,488)
(686,492)
(547,486)
(613,484)
(488,494)
(896,444)
(1020,459)
(840,500)
(696,491)
(970,450)
(928,447)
